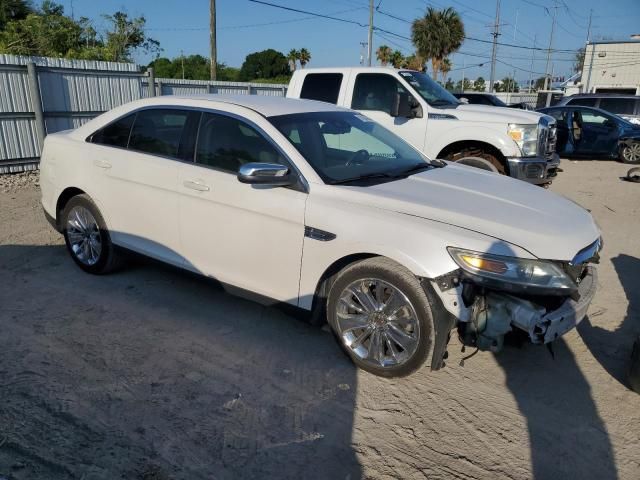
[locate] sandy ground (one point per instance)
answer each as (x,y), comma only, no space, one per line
(153,373)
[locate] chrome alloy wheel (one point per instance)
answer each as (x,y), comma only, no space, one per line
(377,322)
(83,233)
(631,153)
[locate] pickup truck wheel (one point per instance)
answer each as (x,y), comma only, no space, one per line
(86,236)
(381,317)
(630,153)
(468,153)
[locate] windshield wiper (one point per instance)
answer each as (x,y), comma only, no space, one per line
(370,176)
(418,167)
(436,103)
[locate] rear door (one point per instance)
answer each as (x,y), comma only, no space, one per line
(140,179)
(249,236)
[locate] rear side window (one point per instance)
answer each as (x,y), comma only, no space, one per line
(618,105)
(585,102)
(158,131)
(324,87)
(115,134)
(226,143)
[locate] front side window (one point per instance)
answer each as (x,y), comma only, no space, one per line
(324,87)
(376,91)
(227,143)
(348,147)
(432,92)
(592,118)
(158,131)
(115,134)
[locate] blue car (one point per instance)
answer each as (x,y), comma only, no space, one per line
(585,132)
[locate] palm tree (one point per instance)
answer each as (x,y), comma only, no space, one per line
(437,34)
(445,68)
(292,57)
(304,57)
(414,62)
(397,59)
(384,55)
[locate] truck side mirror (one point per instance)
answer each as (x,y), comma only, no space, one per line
(405,106)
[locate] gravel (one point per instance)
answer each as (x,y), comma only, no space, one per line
(12,182)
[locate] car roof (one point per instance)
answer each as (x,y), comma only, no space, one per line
(581,107)
(601,95)
(265,105)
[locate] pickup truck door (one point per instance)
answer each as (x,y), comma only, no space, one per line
(374,94)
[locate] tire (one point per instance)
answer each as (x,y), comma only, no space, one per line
(478,153)
(399,322)
(478,162)
(87,238)
(630,153)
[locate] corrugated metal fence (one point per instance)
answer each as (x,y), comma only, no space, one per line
(40,95)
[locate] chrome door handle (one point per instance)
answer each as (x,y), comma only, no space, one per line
(200,187)
(102,164)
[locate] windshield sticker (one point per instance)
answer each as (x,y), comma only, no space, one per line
(406,74)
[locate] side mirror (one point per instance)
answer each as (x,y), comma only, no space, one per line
(272,174)
(405,106)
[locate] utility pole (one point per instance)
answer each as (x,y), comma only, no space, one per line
(182,59)
(370,40)
(363,52)
(553,27)
(212,38)
(464,65)
(593,47)
(533,57)
(494,50)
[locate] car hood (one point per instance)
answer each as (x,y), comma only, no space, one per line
(545,224)
(489,114)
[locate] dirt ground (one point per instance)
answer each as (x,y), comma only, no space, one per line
(152,373)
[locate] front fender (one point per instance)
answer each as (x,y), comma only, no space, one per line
(463,132)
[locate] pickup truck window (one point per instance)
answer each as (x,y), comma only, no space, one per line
(324,87)
(375,91)
(345,147)
(431,91)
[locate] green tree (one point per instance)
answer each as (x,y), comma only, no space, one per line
(539,84)
(397,59)
(196,67)
(414,62)
(462,88)
(383,54)
(436,35)
(292,58)
(449,85)
(126,35)
(304,57)
(12,10)
(265,64)
(479,85)
(508,84)
(445,67)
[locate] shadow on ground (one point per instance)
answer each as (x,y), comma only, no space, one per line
(613,348)
(151,373)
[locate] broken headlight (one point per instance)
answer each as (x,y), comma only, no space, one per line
(513,274)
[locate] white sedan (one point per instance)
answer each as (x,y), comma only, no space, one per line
(320,208)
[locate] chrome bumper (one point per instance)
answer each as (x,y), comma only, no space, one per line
(536,170)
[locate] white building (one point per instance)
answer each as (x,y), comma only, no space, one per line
(612,67)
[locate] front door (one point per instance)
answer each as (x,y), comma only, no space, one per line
(594,133)
(249,236)
(374,95)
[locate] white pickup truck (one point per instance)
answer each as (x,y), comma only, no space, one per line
(513,142)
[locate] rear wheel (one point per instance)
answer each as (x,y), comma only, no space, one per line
(381,317)
(86,236)
(477,157)
(630,153)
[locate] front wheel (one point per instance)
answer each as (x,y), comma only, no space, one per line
(630,153)
(381,317)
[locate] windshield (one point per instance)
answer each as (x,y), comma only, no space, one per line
(344,147)
(431,91)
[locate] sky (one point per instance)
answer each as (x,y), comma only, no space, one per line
(245,27)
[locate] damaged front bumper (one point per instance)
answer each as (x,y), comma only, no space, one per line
(542,324)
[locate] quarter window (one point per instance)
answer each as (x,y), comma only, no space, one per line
(115,134)
(619,106)
(324,87)
(226,143)
(375,91)
(158,131)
